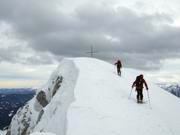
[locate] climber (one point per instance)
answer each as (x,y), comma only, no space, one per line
(119,66)
(138,83)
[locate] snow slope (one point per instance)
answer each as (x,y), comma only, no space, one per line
(93,100)
(40,133)
(2,132)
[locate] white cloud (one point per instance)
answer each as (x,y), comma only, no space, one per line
(168,73)
(20,75)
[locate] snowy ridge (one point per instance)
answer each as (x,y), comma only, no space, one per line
(40,133)
(34,116)
(2,132)
(102,107)
(54,119)
(92,100)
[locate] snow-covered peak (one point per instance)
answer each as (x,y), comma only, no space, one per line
(85,96)
(40,133)
(172,88)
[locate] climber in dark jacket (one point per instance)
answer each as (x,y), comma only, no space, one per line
(138,83)
(119,66)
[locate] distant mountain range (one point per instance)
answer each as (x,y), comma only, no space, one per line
(10,101)
(172,88)
(16,90)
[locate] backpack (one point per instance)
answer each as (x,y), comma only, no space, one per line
(139,82)
(119,65)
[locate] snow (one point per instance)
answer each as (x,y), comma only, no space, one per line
(93,100)
(2,132)
(54,119)
(40,133)
(54,114)
(102,106)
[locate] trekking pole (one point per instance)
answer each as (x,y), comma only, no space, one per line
(130,93)
(149,99)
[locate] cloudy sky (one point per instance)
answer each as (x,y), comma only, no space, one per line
(36,34)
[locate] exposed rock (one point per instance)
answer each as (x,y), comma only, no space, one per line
(40,116)
(24,122)
(41,97)
(30,118)
(58,82)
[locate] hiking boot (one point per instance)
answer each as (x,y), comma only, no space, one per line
(140,101)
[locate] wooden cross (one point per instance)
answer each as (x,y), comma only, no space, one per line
(92,52)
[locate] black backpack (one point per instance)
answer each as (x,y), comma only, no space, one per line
(139,82)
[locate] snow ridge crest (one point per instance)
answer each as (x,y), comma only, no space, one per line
(46,112)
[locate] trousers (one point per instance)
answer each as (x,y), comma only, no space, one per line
(139,94)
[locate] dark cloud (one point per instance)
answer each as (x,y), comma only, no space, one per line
(20,54)
(141,40)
